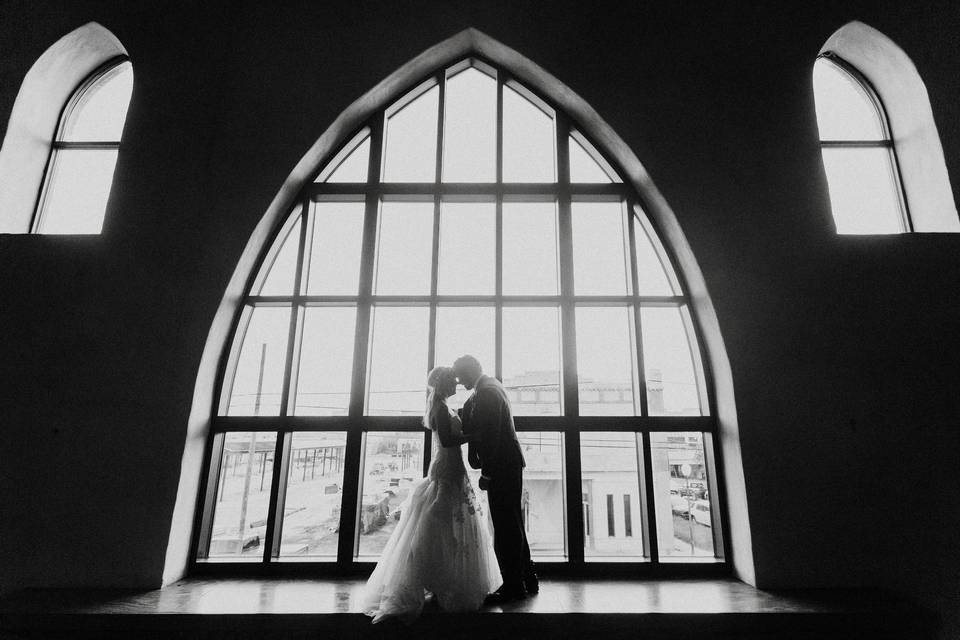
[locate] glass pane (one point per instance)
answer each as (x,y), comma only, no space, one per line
(652,277)
(682,495)
(543,498)
(392,463)
(258,382)
(845,111)
(282,268)
(326,361)
(411,141)
(612,513)
(863,191)
(599,265)
(77,191)
(243,497)
(101,110)
(468,238)
(470,128)
(404,248)
(398,361)
(311,514)
(528,141)
(583,168)
(668,364)
(335,248)
(531,360)
(530,248)
(354,166)
(605,361)
(462,330)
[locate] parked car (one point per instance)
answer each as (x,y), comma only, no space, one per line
(700,512)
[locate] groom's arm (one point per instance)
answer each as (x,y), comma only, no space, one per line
(486,424)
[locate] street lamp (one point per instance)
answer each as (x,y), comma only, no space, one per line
(685,470)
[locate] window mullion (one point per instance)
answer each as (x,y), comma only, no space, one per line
(641,385)
(498,276)
(353,450)
(649,509)
(571,404)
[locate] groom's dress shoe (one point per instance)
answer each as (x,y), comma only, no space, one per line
(504,595)
(531,583)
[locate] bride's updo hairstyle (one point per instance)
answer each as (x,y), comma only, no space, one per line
(438,378)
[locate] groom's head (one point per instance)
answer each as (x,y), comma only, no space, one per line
(468,370)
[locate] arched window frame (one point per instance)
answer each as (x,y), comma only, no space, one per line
(895,176)
(571,425)
(895,80)
(59,145)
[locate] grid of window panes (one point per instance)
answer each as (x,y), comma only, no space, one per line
(471,217)
(858,153)
(79,173)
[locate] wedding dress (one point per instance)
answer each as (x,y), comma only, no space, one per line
(442,544)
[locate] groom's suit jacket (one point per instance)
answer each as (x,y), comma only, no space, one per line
(497,453)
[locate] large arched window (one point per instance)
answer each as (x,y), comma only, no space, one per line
(858,152)
(470,216)
(79,173)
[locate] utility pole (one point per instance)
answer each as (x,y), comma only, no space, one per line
(250,452)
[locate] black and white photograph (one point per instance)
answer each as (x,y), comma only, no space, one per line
(480,319)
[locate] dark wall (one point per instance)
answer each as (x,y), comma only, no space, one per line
(844,350)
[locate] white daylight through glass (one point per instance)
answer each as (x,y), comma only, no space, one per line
(470,216)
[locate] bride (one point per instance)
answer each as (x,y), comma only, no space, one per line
(442,543)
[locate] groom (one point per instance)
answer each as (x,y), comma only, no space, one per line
(496,452)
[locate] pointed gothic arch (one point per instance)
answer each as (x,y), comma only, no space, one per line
(720,419)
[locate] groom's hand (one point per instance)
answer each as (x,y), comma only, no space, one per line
(484,483)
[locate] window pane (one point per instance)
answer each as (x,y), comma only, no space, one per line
(531,360)
(863,193)
(392,463)
(99,114)
(411,141)
(609,462)
(354,166)
(845,111)
(311,514)
(652,277)
(326,361)
(470,128)
(528,141)
(398,361)
(668,364)
(404,248)
(583,168)
(599,265)
(467,248)
(605,361)
(77,191)
(335,249)
(462,330)
(543,498)
(258,382)
(530,248)
(243,497)
(682,495)
(281,269)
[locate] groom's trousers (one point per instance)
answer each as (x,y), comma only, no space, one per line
(509,534)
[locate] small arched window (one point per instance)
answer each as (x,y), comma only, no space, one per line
(79,173)
(859,158)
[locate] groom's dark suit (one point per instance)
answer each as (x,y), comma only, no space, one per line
(496,452)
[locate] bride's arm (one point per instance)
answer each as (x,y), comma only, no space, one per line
(450,430)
